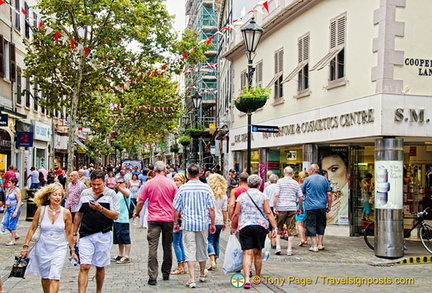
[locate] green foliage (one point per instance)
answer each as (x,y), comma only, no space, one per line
(254,92)
(184,140)
(120,44)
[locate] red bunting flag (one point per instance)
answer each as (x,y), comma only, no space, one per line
(24,11)
(72,44)
(41,24)
(227,28)
(252,11)
(184,55)
(266,6)
(209,40)
(57,36)
(86,51)
(164,66)
(2,2)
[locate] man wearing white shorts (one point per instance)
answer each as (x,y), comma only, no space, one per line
(98,206)
(195,202)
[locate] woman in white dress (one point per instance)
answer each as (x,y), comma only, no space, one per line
(48,255)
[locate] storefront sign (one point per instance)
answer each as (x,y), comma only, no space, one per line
(410,115)
(324,124)
(424,65)
(24,139)
(4,119)
(42,131)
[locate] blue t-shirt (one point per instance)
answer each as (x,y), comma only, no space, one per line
(315,188)
(124,212)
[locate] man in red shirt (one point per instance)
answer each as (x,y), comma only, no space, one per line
(243,187)
(8,175)
(160,192)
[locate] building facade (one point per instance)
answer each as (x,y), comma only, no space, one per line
(341,76)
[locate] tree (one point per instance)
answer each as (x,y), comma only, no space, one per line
(87,51)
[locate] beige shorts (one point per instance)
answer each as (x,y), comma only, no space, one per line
(195,244)
(288,218)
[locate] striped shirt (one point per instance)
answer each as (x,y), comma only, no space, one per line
(289,192)
(193,200)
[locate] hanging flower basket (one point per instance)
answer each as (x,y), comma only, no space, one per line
(185,140)
(174,149)
(251,99)
(195,133)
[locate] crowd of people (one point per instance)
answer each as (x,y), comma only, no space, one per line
(93,212)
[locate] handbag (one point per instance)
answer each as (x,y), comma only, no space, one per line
(19,267)
(130,207)
(256,206)
(37,232)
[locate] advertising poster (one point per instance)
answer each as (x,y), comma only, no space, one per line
(333,162)
(389,184)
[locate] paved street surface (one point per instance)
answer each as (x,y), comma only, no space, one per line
(343,262)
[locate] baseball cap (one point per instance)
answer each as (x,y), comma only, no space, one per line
(232,171)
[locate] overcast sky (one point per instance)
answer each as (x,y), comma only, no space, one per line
(177,8)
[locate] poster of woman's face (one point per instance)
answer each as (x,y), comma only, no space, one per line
(333,162)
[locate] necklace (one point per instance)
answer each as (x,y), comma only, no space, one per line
(54,212)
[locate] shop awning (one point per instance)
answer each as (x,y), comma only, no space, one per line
(295,71)
(327,58)
(274,80)
(78,142)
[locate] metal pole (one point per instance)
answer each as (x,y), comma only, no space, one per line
(249,114)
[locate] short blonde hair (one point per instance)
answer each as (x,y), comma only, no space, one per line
(218,185)
(42,195)
(181,177)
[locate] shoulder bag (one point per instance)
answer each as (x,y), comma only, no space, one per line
(256,206)
(37,232)
(130,207)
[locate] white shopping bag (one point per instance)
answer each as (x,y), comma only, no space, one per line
(233,260)
(267,249)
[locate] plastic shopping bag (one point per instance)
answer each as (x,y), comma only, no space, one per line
(233,260)
(267,249)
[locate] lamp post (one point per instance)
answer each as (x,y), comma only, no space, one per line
(185,120)
(251,36)
(197,101)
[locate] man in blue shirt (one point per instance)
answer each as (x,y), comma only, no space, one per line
(195,201)
(318,200)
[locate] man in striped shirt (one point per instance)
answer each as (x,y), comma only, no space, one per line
(195,202)
(287,194)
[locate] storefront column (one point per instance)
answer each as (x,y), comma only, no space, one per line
(389,198)
(308,156)
(262,168)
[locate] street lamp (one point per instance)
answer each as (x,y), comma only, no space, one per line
(197,101)
(251,36)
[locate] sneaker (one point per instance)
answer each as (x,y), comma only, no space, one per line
(313,249)
(10,243)
(320,247)
(165,277)
(152,282)
(117,258)
(289,252)
(278,251)
(124,259)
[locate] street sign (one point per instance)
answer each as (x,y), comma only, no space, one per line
(4,119)
(24,139)
(265,128)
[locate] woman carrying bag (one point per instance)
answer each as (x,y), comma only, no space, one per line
(251,218)
(48,254)
(13,210)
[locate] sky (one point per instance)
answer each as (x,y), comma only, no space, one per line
(177,8)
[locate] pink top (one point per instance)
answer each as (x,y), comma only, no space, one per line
(160,191)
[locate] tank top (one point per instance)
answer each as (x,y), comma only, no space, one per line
(11,197)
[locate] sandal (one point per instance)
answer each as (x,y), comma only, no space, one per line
(190,284)
(178,271)
(11,243)
(247,286)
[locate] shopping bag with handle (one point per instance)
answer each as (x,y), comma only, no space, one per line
(233,260)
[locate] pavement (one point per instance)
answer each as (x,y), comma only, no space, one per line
(345,264)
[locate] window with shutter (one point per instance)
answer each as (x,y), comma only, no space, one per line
(19,86)
(27,92)
(35,97)
(243,79)
(337,40)
(278,78)
(2,61)
(26,20)
(12,63)
(17,15)
(303,73)
(259,72)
